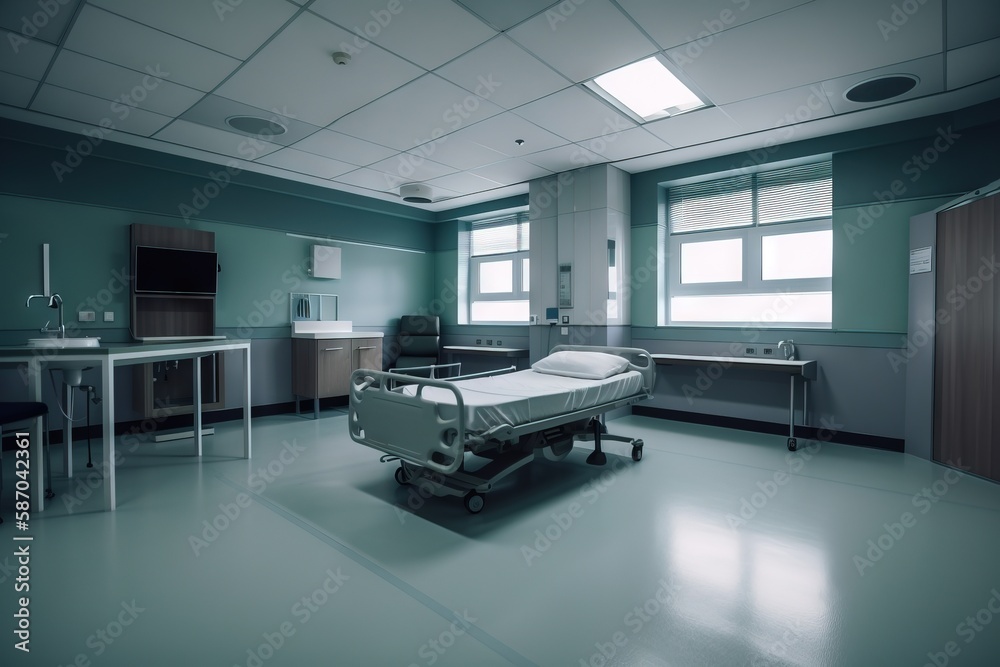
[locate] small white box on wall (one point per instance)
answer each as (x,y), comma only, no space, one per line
(326,261)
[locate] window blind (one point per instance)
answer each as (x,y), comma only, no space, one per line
(718,204)
(494,237)
(795,193)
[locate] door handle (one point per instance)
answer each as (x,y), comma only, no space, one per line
(366,347)
(332,349)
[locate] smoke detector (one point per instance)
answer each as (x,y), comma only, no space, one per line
(416,193)
(341,58)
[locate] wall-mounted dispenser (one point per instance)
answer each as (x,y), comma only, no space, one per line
(325,261)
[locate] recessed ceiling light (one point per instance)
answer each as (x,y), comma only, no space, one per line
(648,89)
(255,126)
(881,88)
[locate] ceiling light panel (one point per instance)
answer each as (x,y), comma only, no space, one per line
(143,90)
(234,28)
(504,73)
(404,27)
(583,40)
(303,80)
(29,59)
(648,89)
(137,47)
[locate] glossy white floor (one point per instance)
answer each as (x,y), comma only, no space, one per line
(718,548)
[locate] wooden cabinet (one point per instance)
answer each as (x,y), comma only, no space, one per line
(321,368)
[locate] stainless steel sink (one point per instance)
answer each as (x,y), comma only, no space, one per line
(64,342)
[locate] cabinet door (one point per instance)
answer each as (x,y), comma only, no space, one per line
(367,353)
(334,366)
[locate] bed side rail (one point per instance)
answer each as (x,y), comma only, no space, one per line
(638,360)
(408,426)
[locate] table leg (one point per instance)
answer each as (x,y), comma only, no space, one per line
(68,430)
(805,401)
(196,407)
(791,408)
(246,403)
(37,450)
(108,429)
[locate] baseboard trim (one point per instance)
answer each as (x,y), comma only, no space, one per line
(773,428)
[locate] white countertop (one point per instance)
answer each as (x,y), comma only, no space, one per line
(325,335)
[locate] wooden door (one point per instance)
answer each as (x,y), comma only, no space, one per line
(967,357)
(334,366)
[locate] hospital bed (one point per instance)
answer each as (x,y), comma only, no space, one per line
(463,435)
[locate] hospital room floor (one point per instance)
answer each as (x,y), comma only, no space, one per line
(720,547)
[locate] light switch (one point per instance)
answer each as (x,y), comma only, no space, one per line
(564,331)
(109,316)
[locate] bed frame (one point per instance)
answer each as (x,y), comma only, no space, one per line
(431,448)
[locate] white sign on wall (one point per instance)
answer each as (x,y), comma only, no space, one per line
(920,260)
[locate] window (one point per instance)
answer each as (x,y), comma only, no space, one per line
(498,271)
(753,249)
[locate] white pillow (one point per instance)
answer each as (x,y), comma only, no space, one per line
(581,364)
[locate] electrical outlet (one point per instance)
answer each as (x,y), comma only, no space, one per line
(768,351)
(750,352)
(489,341)
(479,341)
(533,319)
(499,343)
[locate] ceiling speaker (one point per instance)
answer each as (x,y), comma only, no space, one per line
(416,193)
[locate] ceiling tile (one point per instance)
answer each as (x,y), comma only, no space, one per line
(456,151)
(564,158)
(829,39)
(462,183)
(342,147)
(27,58)
(215,141)
(787,107)
(411,167)
(971,21)
(137,47)
(145,90)
(506,14)
(306,163)
(96,111)
(213,111)
(16,90)
(407,31)
(504,73)
(301,77)
(370,179)
(694,127)
(574,114)
(929,70)
(583,40)
(500,133)
(234,28)
(972,64)
(42,21)
(419,112)
(674,23)
(626,144)
(511,171)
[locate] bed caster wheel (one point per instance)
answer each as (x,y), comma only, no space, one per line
(637,452)
(474,502)
(792,445)
(402,476)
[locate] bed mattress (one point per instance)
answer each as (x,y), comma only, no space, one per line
(527,396)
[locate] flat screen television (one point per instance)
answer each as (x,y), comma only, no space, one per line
(175,271)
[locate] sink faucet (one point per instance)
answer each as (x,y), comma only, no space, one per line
(787,348)
(55,301)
